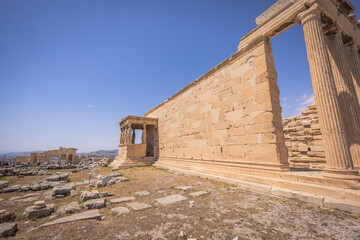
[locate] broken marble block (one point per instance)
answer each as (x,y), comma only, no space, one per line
(3,184)
(6,216)
(58,177)
(7,229)
(87,195)
(39,210)
(95,203)
(13,188)
(63,190)
(70,208)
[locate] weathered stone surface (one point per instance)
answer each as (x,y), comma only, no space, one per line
(275,9)
(35,187)
(120,200)
(6,216)
(58,177)
(44,186)
(111,182)
(63,190)
(15,198)
(24,188)
(8,229)
(70,208)
(30,195)
(138,206)
(33,212)
(184,188)
(142,194)
(3,184)
(171,199)
(87,215)
(13,188)
(95,203)
(74,193)
(120,210)
(104,194)
(98,184)
(199,193)
(40,204)
(87,195)
(121,179)
(106,179)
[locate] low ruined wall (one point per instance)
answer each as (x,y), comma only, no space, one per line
(304,140)
(231,114)
(22,159)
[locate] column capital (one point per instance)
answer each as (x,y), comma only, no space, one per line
(313,12)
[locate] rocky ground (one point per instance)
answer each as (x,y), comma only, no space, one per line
(158,204)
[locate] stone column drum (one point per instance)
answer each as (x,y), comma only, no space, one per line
(339,163)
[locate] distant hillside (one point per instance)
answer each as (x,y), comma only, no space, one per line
(18,154)
(102,153)
(9,157)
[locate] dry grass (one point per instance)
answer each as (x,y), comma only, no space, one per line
(222,214)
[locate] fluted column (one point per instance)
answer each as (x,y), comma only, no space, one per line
(354,61)
(346,93)
(338,158)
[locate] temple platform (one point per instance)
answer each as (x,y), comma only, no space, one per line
(301,184)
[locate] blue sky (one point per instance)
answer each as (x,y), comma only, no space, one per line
(71,70)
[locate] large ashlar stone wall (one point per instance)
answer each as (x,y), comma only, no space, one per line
(229,115)
(303,139)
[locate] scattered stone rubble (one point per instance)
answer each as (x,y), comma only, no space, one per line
(87,215)
(58,177)
(105,162)
(6,216)
(7,229)
(70,208)
(142,194)
(63,191)
(109,180)
(87,195)
(25,170)
(38,210)
(3,184)
(95,203)
(304,140)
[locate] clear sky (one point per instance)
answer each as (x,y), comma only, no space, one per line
(71,70)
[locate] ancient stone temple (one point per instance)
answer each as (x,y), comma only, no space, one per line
(227,124)
(59,156)
(141,154)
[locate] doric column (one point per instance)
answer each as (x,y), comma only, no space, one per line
(338,158)
(354,61)
(143,137)
(346,93)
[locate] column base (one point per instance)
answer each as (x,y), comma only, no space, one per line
(342,174)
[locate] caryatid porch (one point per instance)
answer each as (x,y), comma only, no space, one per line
(137,154)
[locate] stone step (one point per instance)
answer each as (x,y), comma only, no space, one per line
(316,198)
(295,181)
